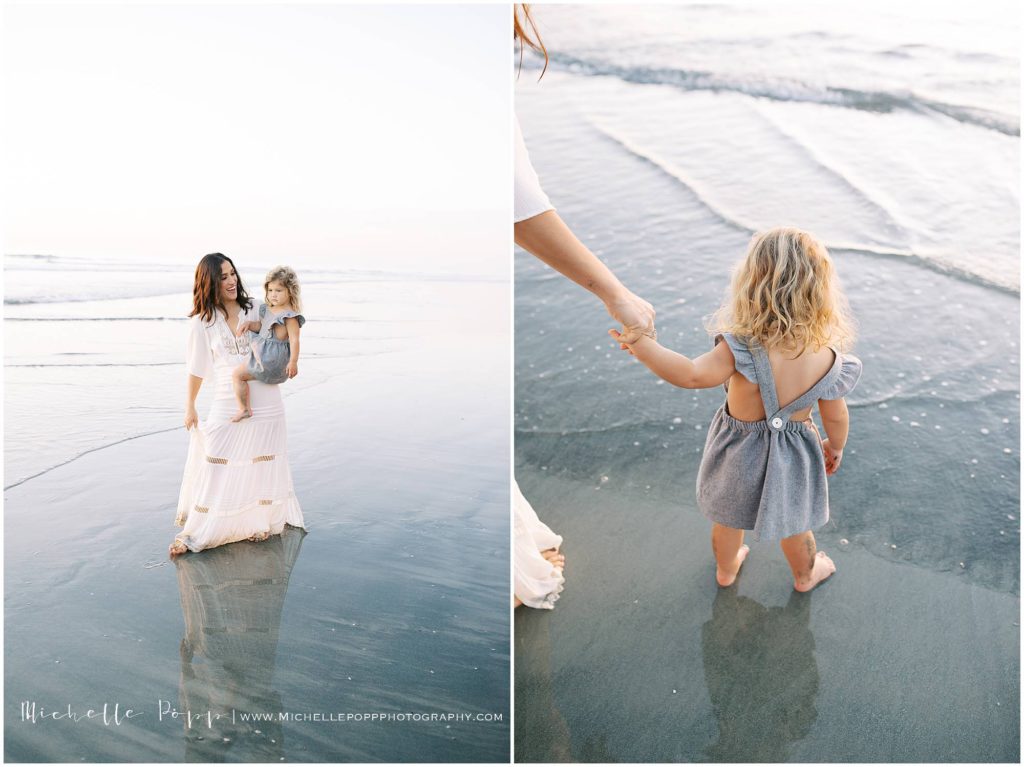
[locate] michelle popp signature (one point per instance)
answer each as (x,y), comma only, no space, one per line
(112,714)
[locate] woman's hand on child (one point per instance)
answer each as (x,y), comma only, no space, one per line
(292,369)
(832,457)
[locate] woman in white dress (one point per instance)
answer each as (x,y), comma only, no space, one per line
(541,231)
(237,483)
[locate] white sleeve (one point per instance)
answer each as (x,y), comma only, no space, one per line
(198,354)
(530,199)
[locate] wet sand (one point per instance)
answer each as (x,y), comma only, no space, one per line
(645,659)
(394,601)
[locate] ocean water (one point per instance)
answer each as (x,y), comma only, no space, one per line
(395,601)
(666,183)
(884,127)
(665,136)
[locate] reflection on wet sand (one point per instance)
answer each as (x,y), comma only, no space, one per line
(232,597)
(761,674)
(540,727)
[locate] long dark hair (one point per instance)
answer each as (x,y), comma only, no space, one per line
(206,288)
(527,38)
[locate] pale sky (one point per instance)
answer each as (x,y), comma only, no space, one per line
(358,136)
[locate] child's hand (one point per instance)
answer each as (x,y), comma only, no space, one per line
(622,344)
(243,326)
(832,457)
(292,369)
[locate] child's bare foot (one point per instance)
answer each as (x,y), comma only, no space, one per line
(259,537)
(823,568)
(555,557)
(177,548)
(726,577)
(246,413)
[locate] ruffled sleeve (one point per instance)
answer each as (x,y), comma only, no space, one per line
(744,360)
(198,354)
(849,374)
(279,319)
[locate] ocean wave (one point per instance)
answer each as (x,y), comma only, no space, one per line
(47,470)
(912,50)
(932,262)
(95,365)
(782,89)
(678,176)
(91,319)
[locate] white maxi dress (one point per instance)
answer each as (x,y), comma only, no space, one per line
(237,482)
(537,582)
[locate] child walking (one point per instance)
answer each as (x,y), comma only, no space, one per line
(784,327)
(274,354)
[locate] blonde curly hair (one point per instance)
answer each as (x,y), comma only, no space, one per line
(287,277)
(786,295)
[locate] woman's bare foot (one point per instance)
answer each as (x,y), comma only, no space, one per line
(259,537)
(726,577)
(516,601)
(177,548)
(823,568)
(555,557)
(241,414)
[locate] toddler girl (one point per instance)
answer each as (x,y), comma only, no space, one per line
(764,468)
(275,351)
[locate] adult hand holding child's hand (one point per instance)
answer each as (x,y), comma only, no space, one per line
(634,314)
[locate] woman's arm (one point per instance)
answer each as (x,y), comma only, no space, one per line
(835,418)
(198,365)
(711,369)
(549,238)
(291,324)
(191,418)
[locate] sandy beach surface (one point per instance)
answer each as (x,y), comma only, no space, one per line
(394,602)
(911,652)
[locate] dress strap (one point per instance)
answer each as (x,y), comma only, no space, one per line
(765,380)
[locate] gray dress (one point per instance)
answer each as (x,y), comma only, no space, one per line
(769,476)
(270,355)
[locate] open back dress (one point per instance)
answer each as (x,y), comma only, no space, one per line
(769,476)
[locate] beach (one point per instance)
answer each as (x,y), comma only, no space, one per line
(381,633)
(665,137)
